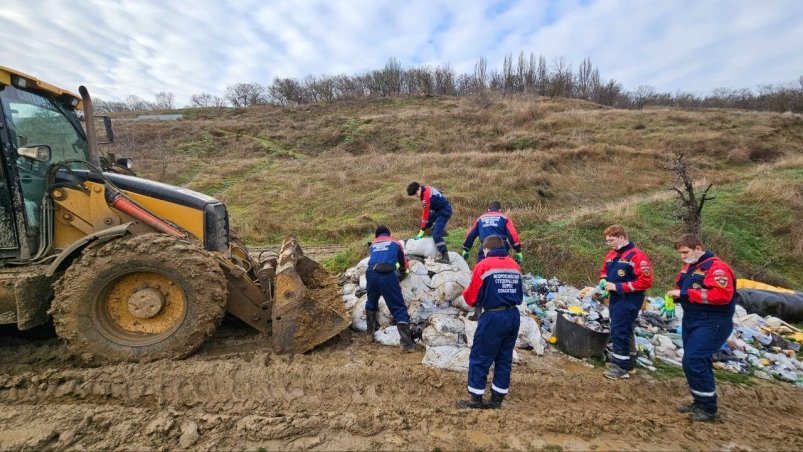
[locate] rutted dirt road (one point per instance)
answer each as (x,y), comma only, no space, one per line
(351,394)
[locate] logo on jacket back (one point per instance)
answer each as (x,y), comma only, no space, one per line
(381,246)
(507,282)
(490,222)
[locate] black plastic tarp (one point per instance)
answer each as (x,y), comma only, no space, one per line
(786,306)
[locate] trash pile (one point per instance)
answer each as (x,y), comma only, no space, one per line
(434,296)
(765,347)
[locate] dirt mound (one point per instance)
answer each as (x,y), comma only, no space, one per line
(351,394)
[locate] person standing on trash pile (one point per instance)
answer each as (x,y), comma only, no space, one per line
(496,286)
(493,222)
(387,256)
(706,289)
(626,273)
(435,215)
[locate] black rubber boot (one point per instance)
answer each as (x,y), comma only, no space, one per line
(373,323)
(495,402)
(688,408)
(475,402)
(406,339)
(701,415)
(444,259)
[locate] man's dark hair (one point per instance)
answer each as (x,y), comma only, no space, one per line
(690,241)
(412,188)
(495,206)
(493,242)
(381,230)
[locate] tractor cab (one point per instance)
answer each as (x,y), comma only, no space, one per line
(39,127)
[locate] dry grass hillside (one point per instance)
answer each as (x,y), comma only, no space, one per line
(563,169)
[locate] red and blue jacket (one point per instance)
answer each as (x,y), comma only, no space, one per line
(630,269)
(707,286)
(432,200)
(495,282)
(387,250)
(491,223)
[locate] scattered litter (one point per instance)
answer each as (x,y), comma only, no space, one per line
(765,347)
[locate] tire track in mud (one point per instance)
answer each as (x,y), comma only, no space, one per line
(356,395)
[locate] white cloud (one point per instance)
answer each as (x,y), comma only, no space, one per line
(142,47)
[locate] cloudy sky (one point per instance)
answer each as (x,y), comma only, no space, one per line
(141,47)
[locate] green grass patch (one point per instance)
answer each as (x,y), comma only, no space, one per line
(227,183)
(273,147)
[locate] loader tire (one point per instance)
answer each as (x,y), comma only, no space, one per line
(139,298)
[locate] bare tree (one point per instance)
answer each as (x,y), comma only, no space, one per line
(691,207)
(584,79)
(245,94)
(643,95)
(206,100)
(136,103)
(481,73)
(165,100)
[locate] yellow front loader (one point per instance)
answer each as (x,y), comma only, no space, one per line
(129,268)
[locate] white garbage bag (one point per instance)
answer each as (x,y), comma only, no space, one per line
(350,300)
(358,321)
(471,328)
(349,288)
(424,247)
(530,335)
(363,282)
(448,291)
(460,303)
(388,336)
(447,357)
(434,338)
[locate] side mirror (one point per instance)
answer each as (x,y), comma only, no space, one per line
(38,152)
(107,126)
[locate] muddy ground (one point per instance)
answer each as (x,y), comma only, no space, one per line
(352,394)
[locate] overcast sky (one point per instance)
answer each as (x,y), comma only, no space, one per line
(141,47)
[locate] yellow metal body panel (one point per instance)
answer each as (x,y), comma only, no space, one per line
(78,214)
(33,82)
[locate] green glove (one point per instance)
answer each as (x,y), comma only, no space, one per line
(420,234)
(465,254)
(601,288)
(668,309)
(519,257)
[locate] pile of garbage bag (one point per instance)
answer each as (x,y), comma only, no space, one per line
(765,347)
(433,293)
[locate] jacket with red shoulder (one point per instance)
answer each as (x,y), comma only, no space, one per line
(432,200)
(491,223)
(387,250)
(630,269)
(495,282)
(708,285)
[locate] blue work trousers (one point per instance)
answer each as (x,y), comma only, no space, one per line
(624,312)
(703,335)
(438,220)
(387,286)
(494,340)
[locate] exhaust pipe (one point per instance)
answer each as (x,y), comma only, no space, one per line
(89,126)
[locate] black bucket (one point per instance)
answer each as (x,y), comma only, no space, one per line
(579,341)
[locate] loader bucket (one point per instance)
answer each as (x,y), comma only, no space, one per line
(307,308)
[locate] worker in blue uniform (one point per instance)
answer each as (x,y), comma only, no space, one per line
(496,286)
